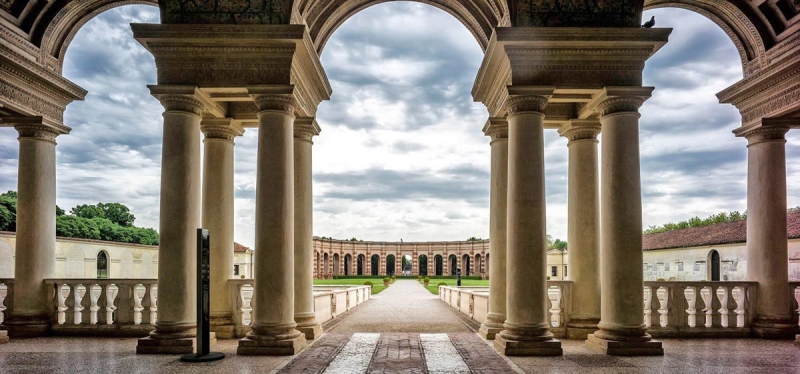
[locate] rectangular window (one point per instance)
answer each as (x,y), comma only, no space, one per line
(666,266)
(660,266)
(565,270)
(680,266)
(698,265)
(554,271)
(235,269)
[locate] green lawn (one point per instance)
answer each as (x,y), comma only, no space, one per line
(377,284)
(433,286)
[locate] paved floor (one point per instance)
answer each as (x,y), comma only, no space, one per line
(404,329)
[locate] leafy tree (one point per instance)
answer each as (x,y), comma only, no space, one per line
(474,239)
(698,222)
(560,245)
(8,211)
(88,211)
(115,212)
(59,211)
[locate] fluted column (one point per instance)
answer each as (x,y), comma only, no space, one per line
(622,329)
(497,129)
(583,227)
(304,130)
(35,258)
(218,218)
(274,329)
(526,330)
(767,248)
(179,220)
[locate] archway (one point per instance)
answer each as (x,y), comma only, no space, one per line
(478,265)
(423,265)
(336,270)
(438,265)
(465,270)
(325,268)
(375,264)
(102,265)
(348,264)
(406,265)
(713,272)
(390,265)
(360,265)
(317,270)
(453,264)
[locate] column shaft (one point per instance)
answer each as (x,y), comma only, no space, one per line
(622,329)
(36,229)
(498,130)
(526,329)
(304,315)
(274,329)
(583,228)
(218,217)
(767,248)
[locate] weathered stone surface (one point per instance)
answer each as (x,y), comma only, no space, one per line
(571,13)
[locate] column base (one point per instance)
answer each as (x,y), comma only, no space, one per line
(222,325)
(150,346)
(550,347)
(287,347)
(772,329)
(27,326)
(489,332)
(617,348)
(580,329)
(3,337)
(311,332)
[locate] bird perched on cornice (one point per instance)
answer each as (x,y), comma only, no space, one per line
(649,24)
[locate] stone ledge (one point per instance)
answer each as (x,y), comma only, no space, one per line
(311,332)
(550,347)
(169,346)
(287,347)
(615,348)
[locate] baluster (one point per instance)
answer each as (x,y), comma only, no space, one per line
(723,295)
(94,295)
(145,304)
(125,312)
(69,304)
(554,295)
(797,302)
(153,287)
(61,303)
(648,306)
(691,305)
(247,302)
(708,308)
(102,305)
(86,304)
(662,294)
(137,294)
(3,293)
(111,307)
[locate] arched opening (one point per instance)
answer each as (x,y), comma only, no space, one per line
(406,265)
(102,265)
(336,270)
(375,264)
(478,265)
(487,269)
(390,265)
(438,265)
(465,268)
(317,272)
(325,268)
(348,264)
(713,272)
(453,264)
(360,265)
(423,265)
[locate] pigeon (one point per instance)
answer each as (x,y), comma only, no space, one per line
(649,24)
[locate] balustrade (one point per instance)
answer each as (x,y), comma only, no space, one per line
(702,309)
(118,307)
(6,297)
(795,290)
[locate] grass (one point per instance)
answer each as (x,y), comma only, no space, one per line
(433,286)
(377,284)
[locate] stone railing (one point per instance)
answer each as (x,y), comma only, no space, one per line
(6,297)
(699,309)
(114,307)
(795,289)
(329,301)
(474,302)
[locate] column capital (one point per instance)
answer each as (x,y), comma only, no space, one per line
(274,98)
(767,129)
(226,129)
(577,129)
(35,128)
(186,99)
(620,99)
(496,128)
(306,128)
(526,103)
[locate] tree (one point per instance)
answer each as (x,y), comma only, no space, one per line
(8,211)
(560,245)
(115,212)
(88,211)
(474,239)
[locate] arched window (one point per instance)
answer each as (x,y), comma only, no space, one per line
(713,266)
(438,265)
(375,265)
(102,265)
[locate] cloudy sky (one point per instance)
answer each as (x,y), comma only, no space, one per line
(401,154)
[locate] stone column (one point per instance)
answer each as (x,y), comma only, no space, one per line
(583,227)
(304,130)
(622,329)
(218,203)
(35,258)
(526,329)
(767,249)
(497,129)
(179,220)
(274,329)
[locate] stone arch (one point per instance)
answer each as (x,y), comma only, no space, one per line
(325,265)
(438,265)
(102,262)
(480,17)
(453,260)
(126,264)
(318,265)
(423,265)
(465,262)
(750,38)
(348,264)
(75,262)
(336,269)
(375,264)
(478,265)
(55,37)
(390,265)
(6,260)
(360,264)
